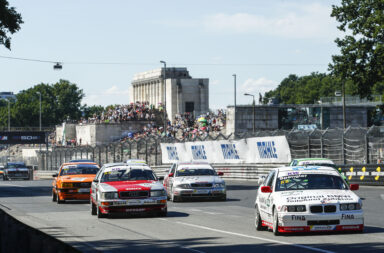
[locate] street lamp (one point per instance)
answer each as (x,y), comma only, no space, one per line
(253,104)
(38,92)
(234,115)
(165,96)
(344,119)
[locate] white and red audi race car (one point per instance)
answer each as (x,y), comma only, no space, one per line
(122,188)
(307,199)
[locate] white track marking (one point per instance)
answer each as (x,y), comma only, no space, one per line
(254,237)
(15,185)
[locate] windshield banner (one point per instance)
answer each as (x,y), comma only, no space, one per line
(251,150)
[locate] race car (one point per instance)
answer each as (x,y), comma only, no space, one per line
(73,181)
(194,180)
(1,172)
(127,188)
(16,170)
(136,161)
(317,162)
(307,199)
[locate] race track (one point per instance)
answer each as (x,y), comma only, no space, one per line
(190,227)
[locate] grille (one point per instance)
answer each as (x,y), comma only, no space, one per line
(316,209)
(201,185)
(134,194)
(82,185)
(323,222)
(330,209)
(17,172)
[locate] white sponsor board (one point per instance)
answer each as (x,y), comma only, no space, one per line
(251,150)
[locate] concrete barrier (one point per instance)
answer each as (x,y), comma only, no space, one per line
(18,237)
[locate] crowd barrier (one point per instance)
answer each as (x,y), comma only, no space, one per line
(364,174)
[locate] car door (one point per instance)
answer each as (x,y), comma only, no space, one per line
(169,180)
(265,198)
(95,184)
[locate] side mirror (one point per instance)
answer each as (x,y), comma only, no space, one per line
(95,180)
(220,173)
(354,187)
(266,189)
(55,175)
(170,175)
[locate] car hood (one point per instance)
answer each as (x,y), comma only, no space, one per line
(315,197)
(198,179)
(136,185)
(77,178)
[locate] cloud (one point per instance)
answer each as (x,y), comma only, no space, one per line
(257,86)
(114,90)
(287,20)
(110,96)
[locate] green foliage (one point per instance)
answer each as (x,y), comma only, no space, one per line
(362,51)
(305,89)
(59,102)
(10,22)
(94,109)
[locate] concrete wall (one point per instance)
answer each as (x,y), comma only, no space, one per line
(266,118)
(99,134)
(355,117)
(70,132)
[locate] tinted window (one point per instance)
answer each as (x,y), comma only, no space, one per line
(127,175)
(185,172)
(309,182)
(79,170)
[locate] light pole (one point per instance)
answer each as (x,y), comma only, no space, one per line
(344,120)
(253,105)
(165,95)
(9,115)
(234,115)
(40,109)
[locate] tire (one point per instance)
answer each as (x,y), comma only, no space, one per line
(162,213)
(173,197)
(275,228)
(93,208)
(100,215)
(54,196)
(258,222)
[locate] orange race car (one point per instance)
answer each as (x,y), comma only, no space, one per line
(73,181)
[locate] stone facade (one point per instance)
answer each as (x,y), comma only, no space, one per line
(183,93)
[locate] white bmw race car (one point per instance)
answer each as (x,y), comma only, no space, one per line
(307,199)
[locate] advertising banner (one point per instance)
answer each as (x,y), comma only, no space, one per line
(251,150)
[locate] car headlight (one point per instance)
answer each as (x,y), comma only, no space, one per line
(158,193)
(293,208)
(184,186)
(219,185)
(66,185)
(109,195)
(350,206)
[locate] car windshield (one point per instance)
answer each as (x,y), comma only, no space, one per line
(79,170)
(309,182)
(15,165)
(186,172)
(127,175)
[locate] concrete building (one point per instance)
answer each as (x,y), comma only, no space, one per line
(183,93)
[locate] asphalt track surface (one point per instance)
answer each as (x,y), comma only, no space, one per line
(190,227)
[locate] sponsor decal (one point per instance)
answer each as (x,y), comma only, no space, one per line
(298,217)
(229,151)
(322,227)
(328,197)
(267,149)
(345,216)
(198,152)
(172,153)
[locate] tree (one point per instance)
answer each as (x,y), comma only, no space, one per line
(362,52)
(10,22)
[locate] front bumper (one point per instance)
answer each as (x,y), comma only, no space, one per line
(304,222)
(74,193)
(200,192)
(154,204)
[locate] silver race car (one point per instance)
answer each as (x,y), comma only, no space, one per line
(194,180)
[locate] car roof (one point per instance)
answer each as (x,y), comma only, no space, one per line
(107,165)
(124,166)
(308,170)
(190,166)
(82,161)
(136,161)
(313,159)
(79,163)
(192,162)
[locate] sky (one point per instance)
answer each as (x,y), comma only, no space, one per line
(103,44)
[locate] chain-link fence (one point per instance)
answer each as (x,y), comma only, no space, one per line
(350,146)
